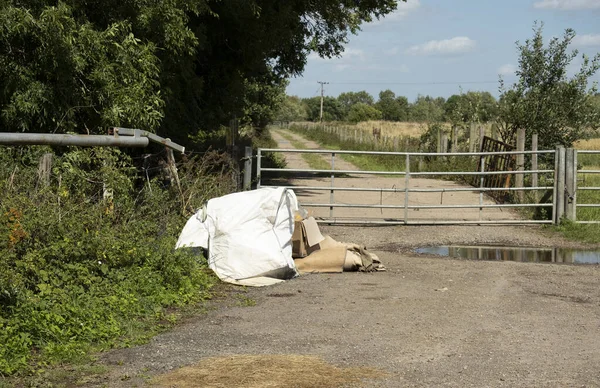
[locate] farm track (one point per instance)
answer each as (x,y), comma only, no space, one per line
(427,321)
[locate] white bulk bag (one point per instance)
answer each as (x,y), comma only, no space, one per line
(247,234)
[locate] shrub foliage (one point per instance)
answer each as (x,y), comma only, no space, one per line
(83,270)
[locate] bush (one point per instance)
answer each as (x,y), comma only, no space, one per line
(88,262)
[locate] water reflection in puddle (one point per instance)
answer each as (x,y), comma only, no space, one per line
(521,254)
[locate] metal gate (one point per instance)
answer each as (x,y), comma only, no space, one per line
(582,191)
(409,195)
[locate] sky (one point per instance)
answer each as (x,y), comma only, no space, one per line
(441,47)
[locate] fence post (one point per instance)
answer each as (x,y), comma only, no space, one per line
(519,178)
(534,165)
(494,130)
(570,183)
(173,168)
(472,134)
(247,184)
(444,143)
(559,185)
(45,169)
(454,139)
(481,135)
(258,157)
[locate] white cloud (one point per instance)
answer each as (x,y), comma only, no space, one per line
(400,13)
(508,69)
(341,67)
(586,40)
(456,45)
(567,4)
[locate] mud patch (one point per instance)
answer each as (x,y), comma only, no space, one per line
(256,371)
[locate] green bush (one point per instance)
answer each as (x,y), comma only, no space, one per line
(81,270)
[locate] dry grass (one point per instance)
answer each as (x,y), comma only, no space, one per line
(258,371)
(591,144)
(394,129)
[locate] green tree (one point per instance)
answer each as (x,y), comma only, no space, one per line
(332,109)
(392,108)
(292,109)
(470,107)
(363,112)
(348,99)
(173,67)
(427,109)
(545,100)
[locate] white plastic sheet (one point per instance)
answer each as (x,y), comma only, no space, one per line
(247,234)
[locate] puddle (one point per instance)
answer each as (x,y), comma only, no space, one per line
(521,254)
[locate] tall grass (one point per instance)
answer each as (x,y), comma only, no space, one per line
(332,139)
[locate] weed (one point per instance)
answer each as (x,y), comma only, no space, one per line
(82,272)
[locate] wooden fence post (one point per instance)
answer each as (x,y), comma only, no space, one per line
(247,184)
(454,147)
(481,136)
(444,143)
(472,134)
(45,169)
(173,168)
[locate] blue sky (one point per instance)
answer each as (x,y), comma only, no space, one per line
(438,48)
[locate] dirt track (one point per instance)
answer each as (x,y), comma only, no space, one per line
(425,322)
(295,160)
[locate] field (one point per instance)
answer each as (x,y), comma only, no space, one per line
(388,128)
(394,129)
(591,144)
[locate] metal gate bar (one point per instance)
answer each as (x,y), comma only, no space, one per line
(407,173)
(577,205)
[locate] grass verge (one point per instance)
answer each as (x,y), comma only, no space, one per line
(82,271)
(314,161)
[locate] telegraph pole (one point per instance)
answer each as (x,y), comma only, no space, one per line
(322,83)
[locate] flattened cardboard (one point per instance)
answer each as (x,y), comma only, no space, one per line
(313,234)
(304,232)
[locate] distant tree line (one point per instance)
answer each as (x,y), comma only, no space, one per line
(546,99)
(361,106)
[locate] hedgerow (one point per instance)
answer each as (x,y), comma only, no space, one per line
(87,262)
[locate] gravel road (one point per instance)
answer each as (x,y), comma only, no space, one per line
(427,321)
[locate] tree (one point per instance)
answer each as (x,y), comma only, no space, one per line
(292,109)
(427,108)
(392,108)
(175,67)
(470,107)
(348,99)
(363,112)
(332,109)
(545,100)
